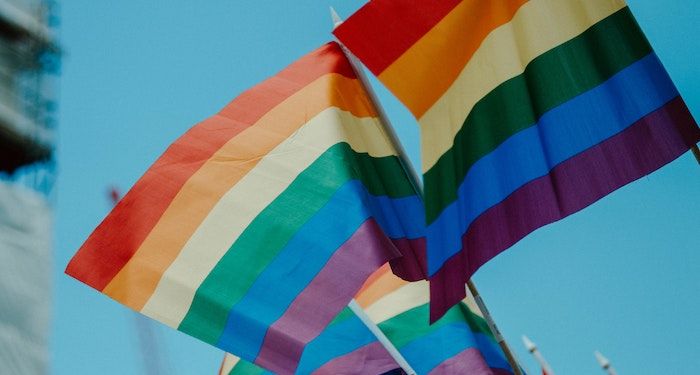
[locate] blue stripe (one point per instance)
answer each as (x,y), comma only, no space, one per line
(335,341)
(561,133)
(305,255)
(429,351)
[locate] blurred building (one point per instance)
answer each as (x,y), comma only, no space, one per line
(28,65)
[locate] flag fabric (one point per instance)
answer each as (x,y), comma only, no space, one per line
(529,111)
(257,226)
(459,343)
(346,346)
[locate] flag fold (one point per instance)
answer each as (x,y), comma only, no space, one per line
(256,227)
(529,111)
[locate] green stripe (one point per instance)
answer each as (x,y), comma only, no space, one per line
(550,80)
(413,324)
(246,368)
(270,231)
(342,316)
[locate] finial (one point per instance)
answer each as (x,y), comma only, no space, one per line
(531,347)
(335,17)
(602,361)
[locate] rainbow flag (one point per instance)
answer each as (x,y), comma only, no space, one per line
(529,111)
(258,226)
(458,343)
(346,346)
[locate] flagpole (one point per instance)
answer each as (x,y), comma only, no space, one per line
(383,117)
(510,356)
(418,185)
(604,362)
(532,348)
(393,351)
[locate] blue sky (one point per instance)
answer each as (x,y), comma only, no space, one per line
(621,276)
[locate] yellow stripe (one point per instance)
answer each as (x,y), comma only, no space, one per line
(471,303)
(407,297)
(229,363)
(537,27)
(240,205)
(135,282)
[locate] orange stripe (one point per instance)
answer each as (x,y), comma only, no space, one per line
(373,278)
(426,70)
(121,233)
(136,281)
(380,284)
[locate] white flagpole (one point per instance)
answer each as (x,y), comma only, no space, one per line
(393,351)
(388,126)
(604,362)
(381,337)
(532,348)
(418,185)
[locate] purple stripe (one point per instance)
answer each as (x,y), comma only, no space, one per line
(646,146)
(369,359)
(469,361)
(315,307)
(412,265)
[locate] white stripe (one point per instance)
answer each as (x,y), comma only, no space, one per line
(537,27)
(405,298)
(245,200)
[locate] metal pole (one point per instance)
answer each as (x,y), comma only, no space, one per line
(381,337)
(696,152)
(604,363)
(383,117)
(510,356)
(418,184)
(532,348)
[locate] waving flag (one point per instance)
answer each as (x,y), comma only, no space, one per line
(256,228)
(459,343)
(529,111)
(346,346)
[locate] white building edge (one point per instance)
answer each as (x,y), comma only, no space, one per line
(28,59)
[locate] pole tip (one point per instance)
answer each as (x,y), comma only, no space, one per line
(335,17)
(529,344)
(602,361)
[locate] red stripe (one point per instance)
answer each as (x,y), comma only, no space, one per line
(647,145)
(106,251)
(382,30)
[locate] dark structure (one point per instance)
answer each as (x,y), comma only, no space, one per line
(28,59)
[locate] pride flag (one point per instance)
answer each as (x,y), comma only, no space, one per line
(458,343)
(529,111)
(258,226)
(346,346)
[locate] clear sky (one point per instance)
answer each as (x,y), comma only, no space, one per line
(622,276)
